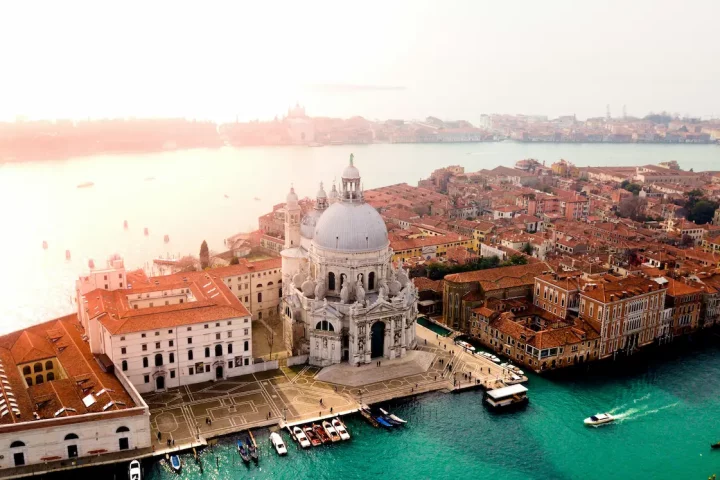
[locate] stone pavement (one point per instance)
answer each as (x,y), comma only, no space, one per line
(413,363)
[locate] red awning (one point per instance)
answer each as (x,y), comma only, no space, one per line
(47,459)
(93,452)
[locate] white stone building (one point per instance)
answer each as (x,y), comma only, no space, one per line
(343,300)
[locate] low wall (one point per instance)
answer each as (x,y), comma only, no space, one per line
(264,366)
(297,360)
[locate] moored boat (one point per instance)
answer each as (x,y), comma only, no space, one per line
(365,412)
(312,436)
(393,417)
(513,395)
(134,470)
(252,450)
(278,443)
(175,463)
(318,429)
(301,437)
(340,429)
(383,422)
(242,451)
(331,432)
(715,445)
(599,419)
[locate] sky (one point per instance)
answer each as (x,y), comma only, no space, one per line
(452,59)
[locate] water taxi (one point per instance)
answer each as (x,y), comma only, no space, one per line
(134,471)
(312,436)
(330,431)
(599,419)
(320,432)
(465,345)
(278,443)
(514,395)
(301,437)
(340,429)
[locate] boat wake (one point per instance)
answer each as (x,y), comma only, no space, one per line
(636,413)
(635,401)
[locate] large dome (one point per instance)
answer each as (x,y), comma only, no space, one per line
(307,225)
(351,227)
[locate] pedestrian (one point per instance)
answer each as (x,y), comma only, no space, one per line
(173,442)
(159,436)
(321,401)
(331,409)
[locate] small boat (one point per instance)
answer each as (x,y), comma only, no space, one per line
(324,437)
(331,432)
(312,436)
(243,452)
(465,345)
(252,450)
(278,443)
(715,445)
(85,185)
(301,437)
(175,463)
(519,372)
(146,231)
(134,470)
(45,245)
(495,359)
(364,411)
(395,418)
(340,429)
(383,422)
(125,224)
(167,239)
(599,419)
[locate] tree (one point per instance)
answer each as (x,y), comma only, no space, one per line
(187,264)
(702,212)
(527,249)
(632,207)
(204,255)
(633,188)
(234,261)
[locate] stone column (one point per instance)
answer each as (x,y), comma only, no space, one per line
(391,332)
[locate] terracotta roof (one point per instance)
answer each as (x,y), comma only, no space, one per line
(502,277)
(424,283)
(610,289)
(678,287)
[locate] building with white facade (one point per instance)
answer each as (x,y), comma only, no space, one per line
(343,300)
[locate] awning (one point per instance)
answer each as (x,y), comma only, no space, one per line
(94,452)
(48,459)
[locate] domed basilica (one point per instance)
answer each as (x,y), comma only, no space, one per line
(342,298)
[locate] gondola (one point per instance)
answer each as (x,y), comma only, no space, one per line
(243,452)
(312,436)
(365,412)
(252,449)
(320,431)
(395,418)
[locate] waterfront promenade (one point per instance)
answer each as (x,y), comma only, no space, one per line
(192,414)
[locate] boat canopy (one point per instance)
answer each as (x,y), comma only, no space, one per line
(499,393)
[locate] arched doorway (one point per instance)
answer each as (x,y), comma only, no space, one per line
(219,372)
(160,383)
(377,340)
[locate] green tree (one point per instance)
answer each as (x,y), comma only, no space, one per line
(702,212)
(204,255)
(235,261)
(527,249)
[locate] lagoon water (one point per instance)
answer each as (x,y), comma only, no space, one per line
(183,194)
(669,413)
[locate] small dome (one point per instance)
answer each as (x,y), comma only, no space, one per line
(351,173)
(351,227)
(321,193)
(292,196)
(334,193)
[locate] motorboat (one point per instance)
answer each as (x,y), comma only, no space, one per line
(134,470)
(312,436)
(331,432)
(715,445)
(505,365)
(320,432)
(175,463)
(599,419)
(301,437)
(278,443)
(242,451)
(393,417)
(340,429)
(252,450)
(519,372)
(465,345)
(495,359)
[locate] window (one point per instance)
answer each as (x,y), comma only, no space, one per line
(157,334)
(229,322)
(172,373)
(259,315)
(331,281)
(207,352)
(246,320)
(189,340)
(142,335)
(247,362)
(259,297)
(259,285)
(229,334)
(218,350)
(217,336)
(171,357)
(147,378)
(124,365)
(37,367)
(207,326)
(170,331)
(26,370)
(28,380)
(157,345)
(171,343)
(123,350)
(207,368)
(229,347)
(191,371)
(246,298)
(190,356)
(144,347)
(230,364)
(17,444)
(371,281)
(122,339)
(145,362)
(50,376)
(217,324)
(246,345)
(189,328)
(158,360)
(71,436)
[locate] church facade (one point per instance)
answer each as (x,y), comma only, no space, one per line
(342,298)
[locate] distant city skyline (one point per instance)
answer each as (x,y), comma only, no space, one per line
(397,60)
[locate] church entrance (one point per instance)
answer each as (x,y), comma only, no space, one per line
(377,339)
(160,383)
(219,373)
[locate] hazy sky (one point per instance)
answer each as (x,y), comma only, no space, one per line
(455,59)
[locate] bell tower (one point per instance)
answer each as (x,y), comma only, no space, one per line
(292,220)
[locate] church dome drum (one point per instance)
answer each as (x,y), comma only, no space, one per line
(351,227)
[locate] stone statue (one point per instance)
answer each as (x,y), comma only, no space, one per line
(394,286)
(382,289)
(308,288)
(360,293)
(403,277)
(298,279)
(345,293)
(320,290)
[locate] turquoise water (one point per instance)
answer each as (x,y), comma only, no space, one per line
(433,326)
(669,413)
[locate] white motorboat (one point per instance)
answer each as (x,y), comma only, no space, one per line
(340,429)
(134,470)
(495,359)
(301,437)
(599,419)
(278,443)
(331,432)
(519,372)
